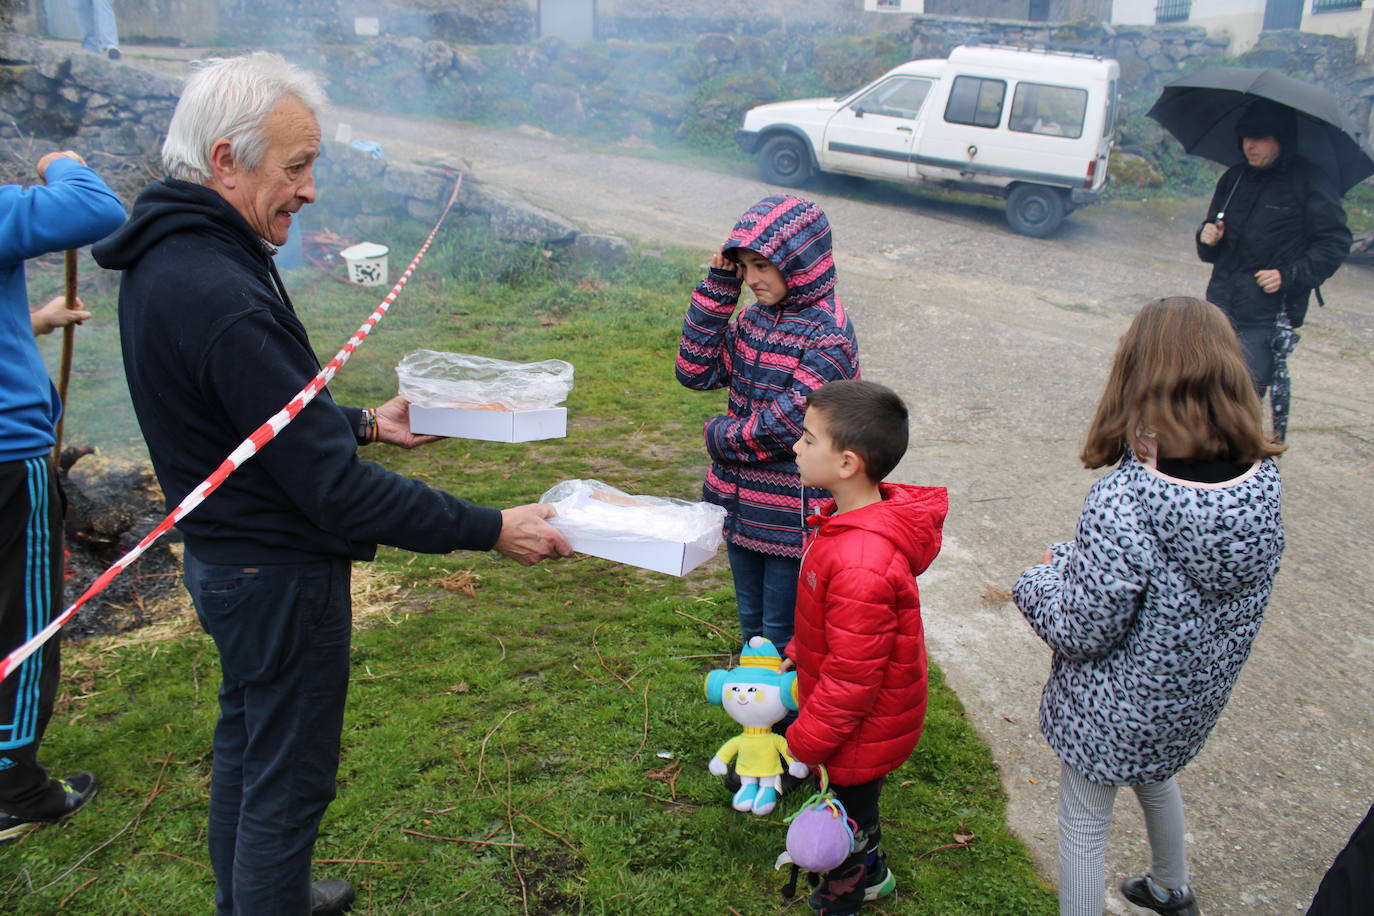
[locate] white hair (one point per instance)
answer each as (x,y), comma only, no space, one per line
(230,98)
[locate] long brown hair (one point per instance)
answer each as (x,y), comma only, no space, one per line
(1180,378)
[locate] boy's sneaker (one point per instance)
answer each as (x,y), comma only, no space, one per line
(879,880)
(1142,891)
(77,790)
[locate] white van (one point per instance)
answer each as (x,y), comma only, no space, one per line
(1030,125)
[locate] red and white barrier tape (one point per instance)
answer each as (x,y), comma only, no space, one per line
(246,450)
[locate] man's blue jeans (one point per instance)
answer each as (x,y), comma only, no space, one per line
(283,636)
(766,593)
(96,19)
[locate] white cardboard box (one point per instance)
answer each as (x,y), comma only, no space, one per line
(490,425)
(672,557)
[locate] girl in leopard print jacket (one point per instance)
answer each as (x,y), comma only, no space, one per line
(1151,610)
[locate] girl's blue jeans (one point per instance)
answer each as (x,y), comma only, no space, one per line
(766,592)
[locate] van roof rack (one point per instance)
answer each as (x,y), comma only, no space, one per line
(1038,47)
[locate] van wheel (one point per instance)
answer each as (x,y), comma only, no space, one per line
(786,161)
(1035,210)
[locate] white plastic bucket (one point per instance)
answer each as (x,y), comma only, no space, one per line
(366,263)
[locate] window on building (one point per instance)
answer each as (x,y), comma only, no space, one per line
(977,101)
(1053,111)
(890,5)
(1172,10)
(1323,6)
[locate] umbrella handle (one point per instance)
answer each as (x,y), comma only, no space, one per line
(68,342)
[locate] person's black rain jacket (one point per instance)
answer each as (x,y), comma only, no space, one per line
(1283,218)
(212,349)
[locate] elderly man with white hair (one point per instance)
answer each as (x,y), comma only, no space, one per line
(212,348)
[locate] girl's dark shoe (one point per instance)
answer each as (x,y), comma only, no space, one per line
(1139,892)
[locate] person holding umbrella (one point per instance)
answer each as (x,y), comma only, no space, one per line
(69,207)
(1274,231)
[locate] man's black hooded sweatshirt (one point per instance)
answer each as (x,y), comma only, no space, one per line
(212,349)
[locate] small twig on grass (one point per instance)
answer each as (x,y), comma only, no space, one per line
(133,821)
(523,808)
(600,658)
(482,752)
(125,892)
(364,862)
(679,658)
(85,884)
(668,775)
(448,903)
(510,822)
(644,738)
(589,677)
(670,801)
(375,827)
(378,677)
(458,839)
(556,836)
(706,623)
(171,855)
(961,841)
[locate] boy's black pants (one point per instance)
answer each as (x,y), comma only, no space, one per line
(31,508)
(842,889)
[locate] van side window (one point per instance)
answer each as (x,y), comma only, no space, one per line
(1055,111)
(900,97)
(975,100)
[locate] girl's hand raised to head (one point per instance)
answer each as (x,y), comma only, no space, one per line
(720,262)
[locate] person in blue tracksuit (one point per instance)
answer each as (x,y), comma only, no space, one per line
(70,207)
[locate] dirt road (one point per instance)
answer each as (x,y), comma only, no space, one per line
(1000,344)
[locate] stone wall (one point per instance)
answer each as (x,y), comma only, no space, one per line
(116,116)
(113,115)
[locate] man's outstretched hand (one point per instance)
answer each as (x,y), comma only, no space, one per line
(527,538)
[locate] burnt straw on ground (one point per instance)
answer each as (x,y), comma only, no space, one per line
(110,507)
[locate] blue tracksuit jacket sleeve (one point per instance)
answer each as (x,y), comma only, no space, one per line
(74,208)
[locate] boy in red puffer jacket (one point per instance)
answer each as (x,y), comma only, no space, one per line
(859,648)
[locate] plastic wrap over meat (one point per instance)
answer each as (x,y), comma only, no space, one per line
(595,509)
(433,379)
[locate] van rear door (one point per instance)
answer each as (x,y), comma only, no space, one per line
(875,134)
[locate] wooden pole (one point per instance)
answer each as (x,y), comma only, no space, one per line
(68,341)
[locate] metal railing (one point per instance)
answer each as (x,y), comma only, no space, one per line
(1173,10)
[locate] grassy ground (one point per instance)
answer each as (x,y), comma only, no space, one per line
(517,741)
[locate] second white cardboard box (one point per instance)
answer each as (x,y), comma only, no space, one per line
(672,557)
(490,425)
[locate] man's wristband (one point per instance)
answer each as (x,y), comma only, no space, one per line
(367,426)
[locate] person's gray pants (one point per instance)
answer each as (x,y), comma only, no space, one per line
(1085,819)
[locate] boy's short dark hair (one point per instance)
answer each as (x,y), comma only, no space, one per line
(866,418)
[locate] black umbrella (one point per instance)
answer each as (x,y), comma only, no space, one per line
(1201,110)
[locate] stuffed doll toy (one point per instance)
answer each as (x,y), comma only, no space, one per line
(756,694)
